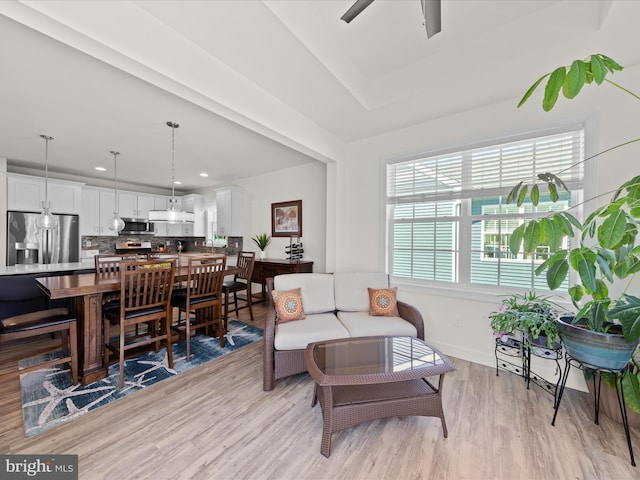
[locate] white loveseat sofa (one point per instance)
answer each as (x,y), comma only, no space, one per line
(336,306)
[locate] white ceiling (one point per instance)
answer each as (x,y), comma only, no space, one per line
(259,86)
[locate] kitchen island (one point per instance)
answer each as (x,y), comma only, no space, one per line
(19,291)
(52,268)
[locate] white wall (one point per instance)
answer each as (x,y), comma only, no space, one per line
(3,208)
(454,321)
(306,183)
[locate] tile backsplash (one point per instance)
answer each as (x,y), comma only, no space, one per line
(190,244)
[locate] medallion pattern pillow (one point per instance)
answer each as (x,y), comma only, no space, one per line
(288,305)
(382,302)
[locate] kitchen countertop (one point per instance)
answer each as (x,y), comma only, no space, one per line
(49,268)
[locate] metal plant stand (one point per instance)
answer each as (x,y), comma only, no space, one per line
(597,374)
(508,349)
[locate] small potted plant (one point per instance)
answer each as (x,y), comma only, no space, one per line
(261,240)
(528,315)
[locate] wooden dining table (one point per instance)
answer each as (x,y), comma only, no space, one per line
(87,290)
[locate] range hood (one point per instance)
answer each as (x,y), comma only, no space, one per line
(171,215)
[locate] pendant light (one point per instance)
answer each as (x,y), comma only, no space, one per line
(171,215)
(46,220)
(116,224)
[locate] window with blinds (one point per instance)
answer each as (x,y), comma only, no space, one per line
(447,216)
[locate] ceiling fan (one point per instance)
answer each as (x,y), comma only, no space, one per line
(430,11)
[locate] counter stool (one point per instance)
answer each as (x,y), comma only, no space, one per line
(241,283)
(202,297)
(41,323)
(145,297)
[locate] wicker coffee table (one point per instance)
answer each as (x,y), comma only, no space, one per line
(366,378)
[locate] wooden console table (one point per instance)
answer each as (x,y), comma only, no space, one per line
(270,267)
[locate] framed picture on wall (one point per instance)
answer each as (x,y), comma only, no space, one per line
(286,219)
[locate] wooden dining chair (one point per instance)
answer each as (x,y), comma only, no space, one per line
(43,322)
(145,297)
(241,283)
(109,263)
(201,297)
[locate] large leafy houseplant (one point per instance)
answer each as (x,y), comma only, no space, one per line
(604,247)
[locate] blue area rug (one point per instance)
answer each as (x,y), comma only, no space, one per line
(50,399)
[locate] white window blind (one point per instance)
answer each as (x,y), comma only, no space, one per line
(447,216)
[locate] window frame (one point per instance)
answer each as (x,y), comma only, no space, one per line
(463,286)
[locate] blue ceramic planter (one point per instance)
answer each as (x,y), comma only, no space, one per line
(601,350)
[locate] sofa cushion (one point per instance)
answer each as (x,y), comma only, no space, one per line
(315,328)
(382,302)
(351,289)
(361,324)
(316,290)
(288,305)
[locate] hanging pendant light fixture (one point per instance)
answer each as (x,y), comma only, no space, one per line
(46,220)
(171,215)
(116,224)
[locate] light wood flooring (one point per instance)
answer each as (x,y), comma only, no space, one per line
(215,422)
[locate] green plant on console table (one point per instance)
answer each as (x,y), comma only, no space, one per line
(262,240)
(529,313)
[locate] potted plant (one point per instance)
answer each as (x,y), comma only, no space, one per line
(532,315)
(603,251)
(261,240)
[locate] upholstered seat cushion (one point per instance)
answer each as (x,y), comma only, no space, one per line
(179,291)
(33,320)
(361,324)
(179,299)
(234,285)
(113,315)
(297,334)
(351,289)
(316,290)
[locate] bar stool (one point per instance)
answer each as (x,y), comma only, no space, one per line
(44,322)
(145,297)
(241,282)
(202,297)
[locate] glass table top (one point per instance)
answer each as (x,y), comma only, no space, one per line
(376,355)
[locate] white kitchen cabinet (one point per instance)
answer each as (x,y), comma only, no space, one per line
(97,210)
(133,205)
(26,193)
(230,212)
(145,203)
(195,203)
(127,204)
(168,229)
(188,230)
(161,202)
(90,212)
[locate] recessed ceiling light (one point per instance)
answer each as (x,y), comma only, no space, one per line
(177,182)
(101,169)
(204,174)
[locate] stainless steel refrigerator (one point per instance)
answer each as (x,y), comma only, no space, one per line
(26,243)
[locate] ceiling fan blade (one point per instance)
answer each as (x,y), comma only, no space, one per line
(432,16)
(355,10)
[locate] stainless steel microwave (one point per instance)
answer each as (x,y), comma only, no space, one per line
(133,226)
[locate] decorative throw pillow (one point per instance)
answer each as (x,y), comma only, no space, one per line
(288,305)
(382,302)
